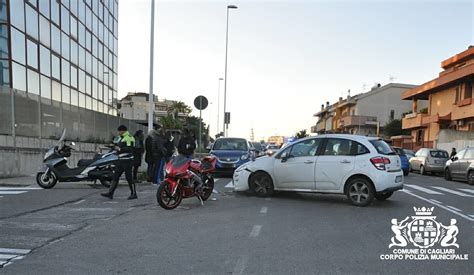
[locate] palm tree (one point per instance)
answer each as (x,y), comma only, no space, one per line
(301,134)
(169,122)
(179,107)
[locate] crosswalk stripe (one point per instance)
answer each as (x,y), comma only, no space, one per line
(422,189)
(14,251)
(467,190)
(20,188)
(230,185)
(12,192)
(7,256)
(453,192)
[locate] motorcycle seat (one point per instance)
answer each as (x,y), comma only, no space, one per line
(87,162)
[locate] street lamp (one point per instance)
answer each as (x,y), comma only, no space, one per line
(225,70)
(218,103)
(151,103)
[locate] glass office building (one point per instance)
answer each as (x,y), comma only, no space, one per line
(61,51)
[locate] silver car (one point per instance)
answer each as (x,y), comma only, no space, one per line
(461,166)
(429,160)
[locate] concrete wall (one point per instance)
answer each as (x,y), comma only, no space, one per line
(27,156)
(448,139)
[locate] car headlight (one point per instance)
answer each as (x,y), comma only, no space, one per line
(244,157)
(241,167)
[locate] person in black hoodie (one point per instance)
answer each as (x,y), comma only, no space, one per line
(169,146)
(149,155)
(138,151)
(187,144)
(159,152)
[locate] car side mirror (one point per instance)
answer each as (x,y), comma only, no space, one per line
(284,157)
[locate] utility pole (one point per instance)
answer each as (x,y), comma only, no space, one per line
(151,102)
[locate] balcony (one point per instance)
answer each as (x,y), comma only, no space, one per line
(348,121)
(463,109)
(319,127)
(413,120)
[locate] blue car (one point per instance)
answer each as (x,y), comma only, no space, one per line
(231,153)
(403,159)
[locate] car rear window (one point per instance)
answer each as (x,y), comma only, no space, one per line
(382,147)
(439,154)
(399,151)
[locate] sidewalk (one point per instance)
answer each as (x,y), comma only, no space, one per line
(18,181)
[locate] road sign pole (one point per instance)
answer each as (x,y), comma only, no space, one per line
(200,124)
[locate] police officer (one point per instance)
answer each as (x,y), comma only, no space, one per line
(124,146)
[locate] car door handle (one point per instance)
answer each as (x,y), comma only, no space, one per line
(308,162)
(345,161)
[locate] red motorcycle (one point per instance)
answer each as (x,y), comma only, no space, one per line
(186,178)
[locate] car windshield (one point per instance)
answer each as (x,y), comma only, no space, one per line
(231,144)
(382,147)
(439,154)
(257,146)
(273,147)
(399,151)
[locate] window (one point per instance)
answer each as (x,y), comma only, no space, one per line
(82,81)
(94,88)
(468,90)
(458,95)
(33,82)
(45,87)
(65,45)
(88,85)
(89,62)
(231,144)
(55,39)
(31,22)
(88,102)
(88,40)
(74,77)
(4,73)
(64,20)
(4,42)
(74,97)
(361,149)
(419,137)
(18,46)
(65,72)
(55,67)
(73,28)
(33,2)
(82,58)
(82,11)
(382,147)
(45,61)
(66,95)
(337,147)
(55,12)
(73,7)
(19,76)
(18,8)
(439,154)
(82,35)
(74,52)
(44,7)
(82,100)
(392,114)
(305,148)
(460,154)
(32,53)
(45,31)
(56,91)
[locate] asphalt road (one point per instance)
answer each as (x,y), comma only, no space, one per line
(72,230)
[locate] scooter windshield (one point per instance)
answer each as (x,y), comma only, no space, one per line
(179,161)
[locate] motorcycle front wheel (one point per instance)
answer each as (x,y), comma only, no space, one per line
(46,181)
(207,188)
(165,197)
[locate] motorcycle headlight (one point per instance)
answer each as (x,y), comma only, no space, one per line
(244,157)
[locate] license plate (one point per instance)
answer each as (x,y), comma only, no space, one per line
(398,179)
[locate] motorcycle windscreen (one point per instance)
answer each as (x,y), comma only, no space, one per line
(179,161)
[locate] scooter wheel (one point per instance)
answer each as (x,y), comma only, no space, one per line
(46,181)
(165,197)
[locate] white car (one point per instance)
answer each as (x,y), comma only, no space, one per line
(362,168)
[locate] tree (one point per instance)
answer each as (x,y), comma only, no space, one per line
(192,123)
(179,107)
(169,122)
(394,128)
(301,134)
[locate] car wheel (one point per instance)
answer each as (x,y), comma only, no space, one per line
(422,170)
(261,184)
(470,178)
(383,196)
(447,174)
(360,191)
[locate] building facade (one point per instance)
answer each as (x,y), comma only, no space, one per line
(363,114)
(450,103)
(59,59)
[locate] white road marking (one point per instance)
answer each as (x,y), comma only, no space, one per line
(230,185)
(14,251)
(439,205)
(7,256)
(471,216)
(12,192)
(435,201)
(255,231)
(422,189)
(264,210)
(2,263)
(20,188)
(268,199)
(453,192)
(454,208)
(79,202)
(467,190)
(241,265)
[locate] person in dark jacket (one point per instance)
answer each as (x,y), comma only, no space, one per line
(149,155)
(138,151)
(187,144)
(453,152)
(124,147)
(169,146)
(159,152)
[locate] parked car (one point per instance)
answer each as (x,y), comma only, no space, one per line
(429,160)
(259,151)
(231,153)
(272,149)
(362,168)
(461,166)
(409,153)
(404,160)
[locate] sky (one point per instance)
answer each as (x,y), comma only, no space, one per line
(285,58)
